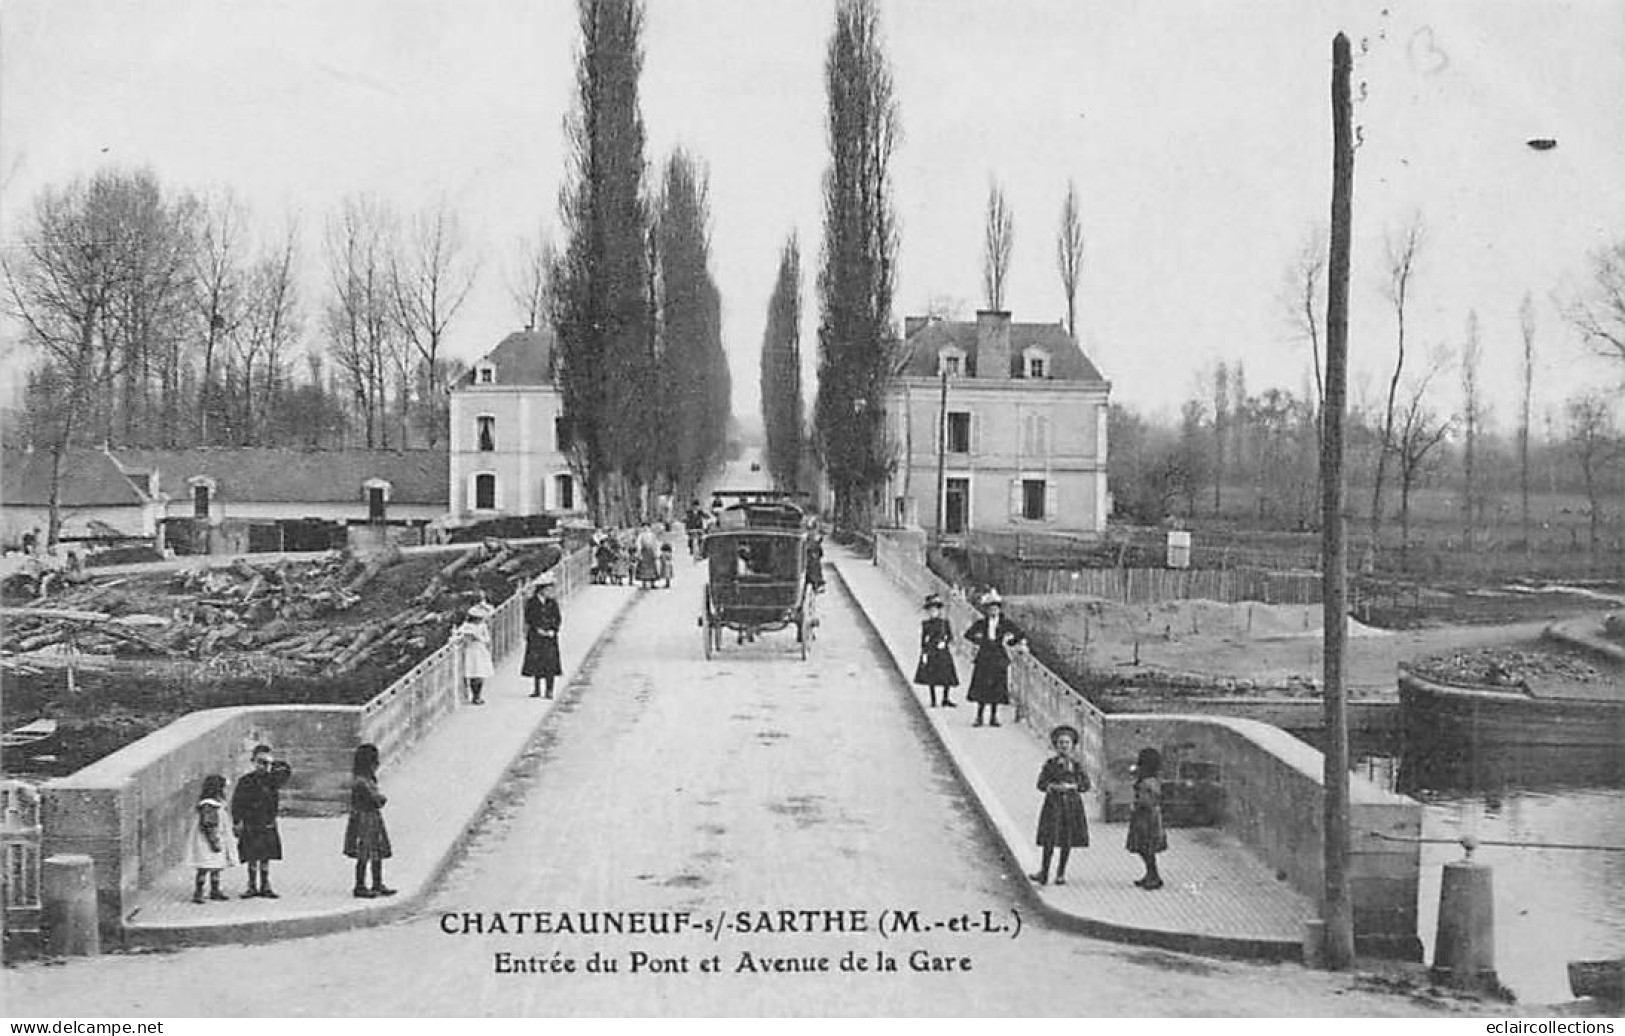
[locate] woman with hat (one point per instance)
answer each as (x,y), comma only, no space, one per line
(542,622)
(994,636)
(475,637)
(936,668)
(1061,822)
(1146,837)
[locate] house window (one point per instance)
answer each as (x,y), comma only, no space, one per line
(950,363)
(485,492)
(486,375)
(959,432)
(564,492)
(487,433)
(200,501)
(375,503)
(561,434)
(1033,493)
(1035,367)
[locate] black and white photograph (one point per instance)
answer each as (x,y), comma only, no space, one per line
(814,508)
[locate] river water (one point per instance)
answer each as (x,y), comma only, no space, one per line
(1551,905)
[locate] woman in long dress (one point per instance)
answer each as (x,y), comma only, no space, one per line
(936,668)
(994,637)
(542,622)
(1062,823)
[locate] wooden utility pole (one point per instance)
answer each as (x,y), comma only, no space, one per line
(942,452)
(1336,910)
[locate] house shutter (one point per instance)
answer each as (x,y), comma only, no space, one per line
(1041,437)
(1052,498)
(1015,498)
(975,433)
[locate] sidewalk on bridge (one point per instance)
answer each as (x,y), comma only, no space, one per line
(436,795)
(1219,898)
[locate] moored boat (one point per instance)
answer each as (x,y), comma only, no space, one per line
(1485,716)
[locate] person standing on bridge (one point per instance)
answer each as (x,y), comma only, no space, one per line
(936,668)
(475,637)
(1062,823)
(994,637)
(542,622)
(1146,837)
(366,839)
(255,804)
(209,851)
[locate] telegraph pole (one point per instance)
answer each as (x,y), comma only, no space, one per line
(1336,910)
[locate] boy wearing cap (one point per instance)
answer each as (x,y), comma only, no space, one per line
(936,668)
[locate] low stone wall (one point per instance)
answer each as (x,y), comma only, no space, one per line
(132,811)
(1272,801)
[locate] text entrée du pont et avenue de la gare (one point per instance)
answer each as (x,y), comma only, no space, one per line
(886,924)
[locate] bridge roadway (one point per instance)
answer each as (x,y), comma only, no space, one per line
(661,784)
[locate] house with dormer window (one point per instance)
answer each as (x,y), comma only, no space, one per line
(999,427)
(507,435)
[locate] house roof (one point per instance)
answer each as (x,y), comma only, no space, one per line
(90,478)
(522,358)
(273,475)
(1067,361)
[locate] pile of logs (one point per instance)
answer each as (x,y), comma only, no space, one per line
(292,613)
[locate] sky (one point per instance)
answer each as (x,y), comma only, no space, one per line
(1197,133)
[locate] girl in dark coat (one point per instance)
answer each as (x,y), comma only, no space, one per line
(542,621)
(366,840)
(255,803)
(1062,823)
(936,668)
(1146,837)
(994,636)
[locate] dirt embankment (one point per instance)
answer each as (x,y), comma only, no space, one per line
(111,659)
(1208,648)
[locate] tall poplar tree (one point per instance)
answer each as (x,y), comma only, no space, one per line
(856,281)
(781,371)
(695,385)
(602,316)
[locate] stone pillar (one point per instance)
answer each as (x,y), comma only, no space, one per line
(68,894)
(1464,954)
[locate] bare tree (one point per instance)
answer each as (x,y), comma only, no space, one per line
(1403,250)
(1303,301)
(1595,446)
(72,259)
(1069,254)
(272,323)
(358,319)
(1526,324)
(1472,416)
(218,290)
(528,281)
(998,242)
(430,278)
(1421,430)
(1599,313)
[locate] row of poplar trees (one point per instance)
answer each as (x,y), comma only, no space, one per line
(857,343)
(635,309)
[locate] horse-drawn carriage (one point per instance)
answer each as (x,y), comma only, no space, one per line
(758,556)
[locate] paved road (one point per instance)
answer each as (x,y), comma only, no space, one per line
(754,782)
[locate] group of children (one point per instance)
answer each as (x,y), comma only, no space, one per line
(245,829)
(642,559)
(1062,823)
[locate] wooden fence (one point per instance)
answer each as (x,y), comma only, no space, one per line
(1150,585)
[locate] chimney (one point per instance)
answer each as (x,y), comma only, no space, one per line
(993,344)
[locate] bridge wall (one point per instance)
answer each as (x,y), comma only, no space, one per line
(131,812)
